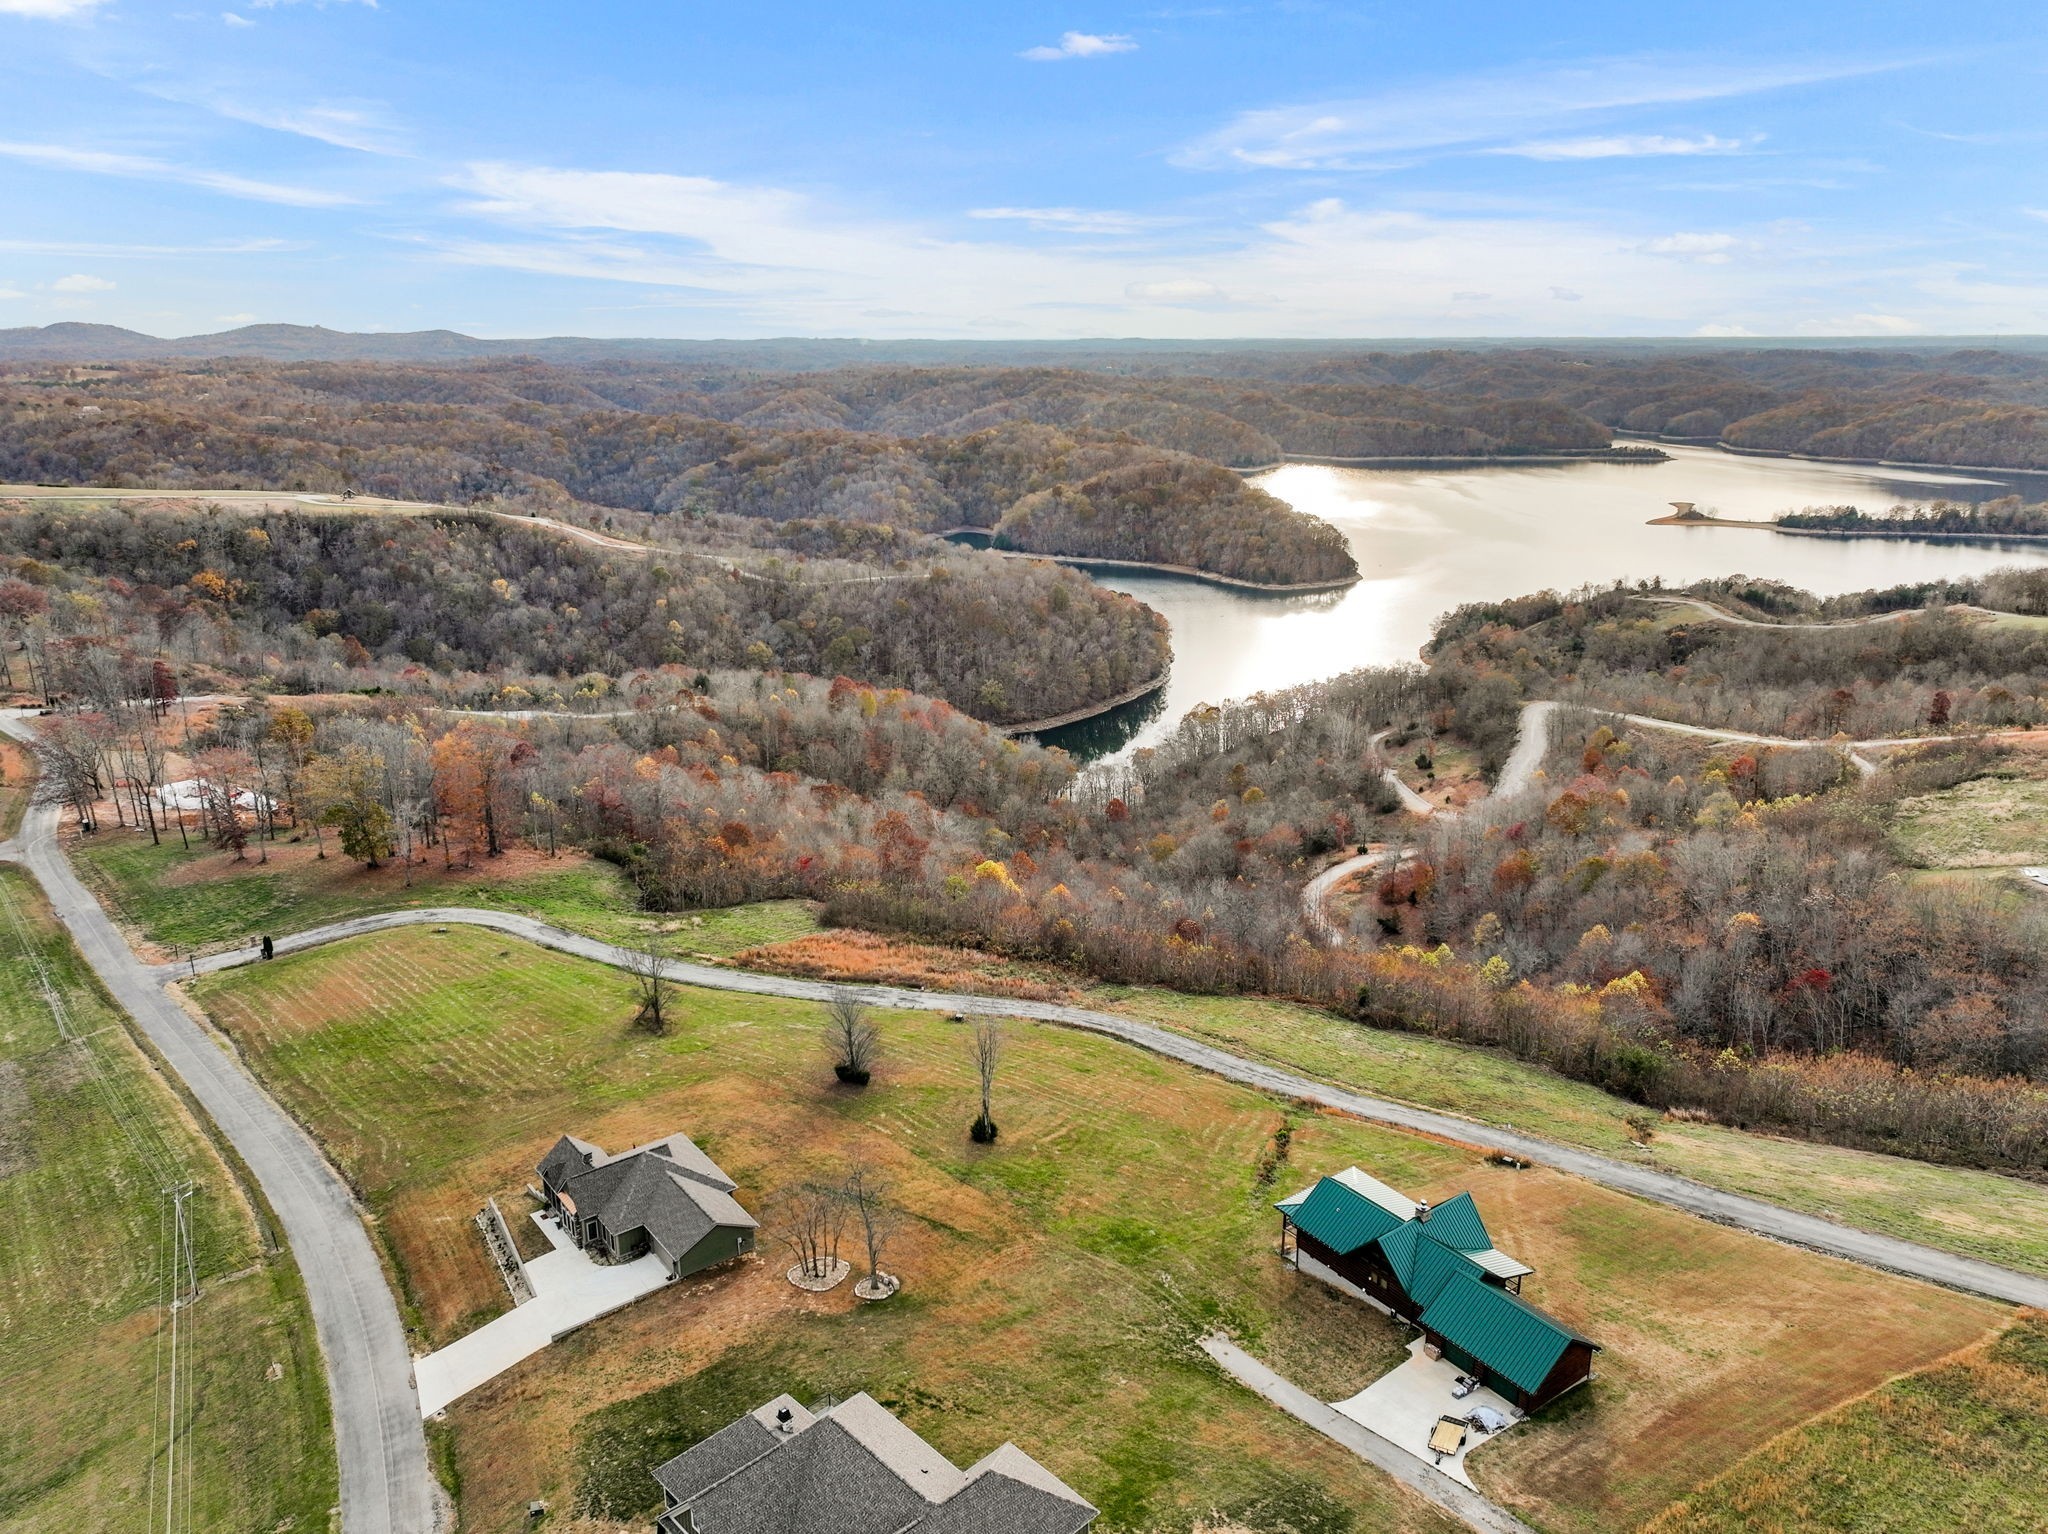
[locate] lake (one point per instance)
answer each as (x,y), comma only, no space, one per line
(1429,540)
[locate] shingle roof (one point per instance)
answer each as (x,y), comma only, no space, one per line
(668,1187)
(856,1470)
(1506,1334)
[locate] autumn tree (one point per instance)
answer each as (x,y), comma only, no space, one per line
(866,1197)
(348,786)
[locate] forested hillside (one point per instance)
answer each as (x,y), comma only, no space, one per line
(336,602)
(531,436)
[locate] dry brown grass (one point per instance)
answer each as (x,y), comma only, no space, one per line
(869,958)
(1056,1281)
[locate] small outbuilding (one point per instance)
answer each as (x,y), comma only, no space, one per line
(1437,1267)
(665,1197)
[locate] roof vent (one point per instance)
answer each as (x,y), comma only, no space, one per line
(1422,1210)
(783,1418)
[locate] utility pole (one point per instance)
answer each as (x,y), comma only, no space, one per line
(184,1293)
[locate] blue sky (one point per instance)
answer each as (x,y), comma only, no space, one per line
(1576,167)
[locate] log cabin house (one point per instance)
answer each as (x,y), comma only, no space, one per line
(1438,1268)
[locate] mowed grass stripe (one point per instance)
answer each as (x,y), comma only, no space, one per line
(86,1143)
(1058,1280)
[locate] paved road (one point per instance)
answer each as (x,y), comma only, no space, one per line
(385,1484)
(1454,1497)
(1868,1248)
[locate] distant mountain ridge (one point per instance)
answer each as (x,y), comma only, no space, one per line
(74,341)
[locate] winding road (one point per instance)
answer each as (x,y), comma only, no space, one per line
(1749,1214)
(380,1445)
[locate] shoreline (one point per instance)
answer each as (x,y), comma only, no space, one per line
(1454,460)
(1085,561)
(1865,463)
(1850,533)
(1093,710)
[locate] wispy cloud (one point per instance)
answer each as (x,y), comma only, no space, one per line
(1070,220)
(81,282)
(1081,45)
(142,168)
(1616,146)
(1708,249)
(146,252)
(234,20)
(49,9)
(1484,109)
(1182,291)
(351,124)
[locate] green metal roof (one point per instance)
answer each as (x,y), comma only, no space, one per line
(1456,1223)
(1341,1219)
(1508,1335)
(1434,1266)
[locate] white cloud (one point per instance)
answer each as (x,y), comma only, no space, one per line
(359,125)
(1174,291)
(12,293)
(1069,220)
(236,21)
(1565,295)
(80,282)
(1712,249)
(49,9)
(1867,324)
(1624,145)
(1723,330)
(234,319)
(1081,45)
(147,252)
(1481,109)
(2040,213)
(141,168)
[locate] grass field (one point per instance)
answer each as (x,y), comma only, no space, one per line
(1978,1214)
(1986,822)
(203,899)
(1055,1283)
(88,1136)
(1957,1446)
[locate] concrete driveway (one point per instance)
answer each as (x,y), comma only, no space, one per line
(1403,1405)
(569,1290)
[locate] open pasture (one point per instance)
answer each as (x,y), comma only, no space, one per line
(89,1136)
(1055,1283)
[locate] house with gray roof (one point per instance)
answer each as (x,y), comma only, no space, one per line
(852,1468)
(665,1197)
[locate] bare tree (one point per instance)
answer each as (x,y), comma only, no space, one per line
(866,1196)
(988,1054)
(811,1222)
(854,1038)
(647,963)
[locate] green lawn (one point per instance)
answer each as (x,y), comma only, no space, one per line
(1958,1446)
(1054,1284)
(88,1136)
(1978,1214)
(182,899)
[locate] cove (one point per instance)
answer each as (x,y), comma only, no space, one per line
(1429,540)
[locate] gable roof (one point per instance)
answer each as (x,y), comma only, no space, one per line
(1505,1333)
(855,1469)
(667,1187)
(1341,1217)
(1456,1223)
